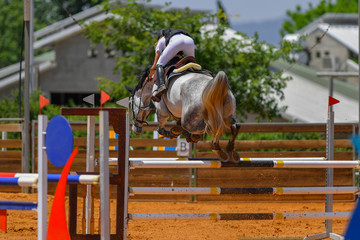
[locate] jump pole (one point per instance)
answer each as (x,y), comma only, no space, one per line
(90,166)
(42,170)
(239,216)
(262,164)
(32,179)
(104,175)
(223,190)
(113,161)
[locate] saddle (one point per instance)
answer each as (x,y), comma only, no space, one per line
(179,66)
(186,63)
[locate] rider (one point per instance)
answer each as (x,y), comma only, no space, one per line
(170,42)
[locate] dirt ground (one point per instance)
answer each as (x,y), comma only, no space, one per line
(23,224)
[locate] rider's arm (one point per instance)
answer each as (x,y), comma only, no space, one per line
(153,67)
(159,48)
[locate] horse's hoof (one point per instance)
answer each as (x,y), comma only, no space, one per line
(234,156)
(223,156)
(195,138)
(176,131)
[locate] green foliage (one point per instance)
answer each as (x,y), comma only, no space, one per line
(132,28)
(9,106)
(299,18)
(45,13)
(11,12)
(55,11)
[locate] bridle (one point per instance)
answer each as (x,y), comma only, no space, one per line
(148,107)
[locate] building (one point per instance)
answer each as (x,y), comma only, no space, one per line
(336,37)
(71,64)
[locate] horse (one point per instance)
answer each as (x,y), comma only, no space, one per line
(197,101)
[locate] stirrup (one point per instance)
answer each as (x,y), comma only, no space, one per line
(155,99)
(161,91)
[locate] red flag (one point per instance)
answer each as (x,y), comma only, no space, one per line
(333,101)
(57,229)
(43,101)
(104,97)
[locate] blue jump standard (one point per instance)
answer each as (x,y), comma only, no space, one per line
(12,205)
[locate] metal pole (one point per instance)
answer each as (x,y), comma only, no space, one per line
(329,171)
(331,91)
(42,184)
(126,176)
(31,48)
(26,143)
(4,137)
(90,162)
(104,176)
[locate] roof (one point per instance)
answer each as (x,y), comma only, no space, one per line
(306,96)
(46,37)
(347,35)
(10,75)
(343,27)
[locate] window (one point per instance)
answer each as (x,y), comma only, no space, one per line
(92,53)
(327,53)
(318,54)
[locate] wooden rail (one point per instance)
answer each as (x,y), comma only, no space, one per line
(11,155)
(234,177)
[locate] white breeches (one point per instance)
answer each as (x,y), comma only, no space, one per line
(176,44)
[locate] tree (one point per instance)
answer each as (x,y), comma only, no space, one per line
(45,13)
(56,10)
(131,29)
(11,12)
(299,19)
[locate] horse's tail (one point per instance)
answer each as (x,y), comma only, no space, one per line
(213,99)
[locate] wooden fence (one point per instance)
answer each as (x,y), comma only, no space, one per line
(11,155)
(228,177)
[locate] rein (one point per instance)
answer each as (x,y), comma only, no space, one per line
(135,119)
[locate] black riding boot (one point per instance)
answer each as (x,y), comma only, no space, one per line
(160,81)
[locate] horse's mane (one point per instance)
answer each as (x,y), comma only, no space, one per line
(143,75)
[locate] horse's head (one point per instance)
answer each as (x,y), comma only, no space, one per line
(140,103)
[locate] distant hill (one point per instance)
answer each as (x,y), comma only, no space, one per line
(268,30)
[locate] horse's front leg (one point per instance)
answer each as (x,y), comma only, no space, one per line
(177,130)
(191,138)
(234,127)
(173,133)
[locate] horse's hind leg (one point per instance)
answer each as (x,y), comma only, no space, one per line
(215,147)
(235,127)
(223,156)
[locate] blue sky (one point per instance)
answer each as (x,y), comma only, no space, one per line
(250,10)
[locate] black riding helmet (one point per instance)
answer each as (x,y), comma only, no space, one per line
(161,33)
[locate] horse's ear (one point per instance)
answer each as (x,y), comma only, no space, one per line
(130,89)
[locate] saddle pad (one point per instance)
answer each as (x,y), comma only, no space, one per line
(187,66)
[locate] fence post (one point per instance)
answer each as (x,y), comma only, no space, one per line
(4,137)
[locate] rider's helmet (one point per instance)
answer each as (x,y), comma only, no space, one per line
(161,33)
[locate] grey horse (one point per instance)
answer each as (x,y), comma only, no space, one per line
(198,102)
